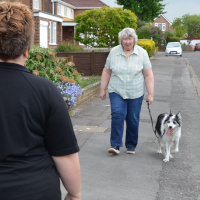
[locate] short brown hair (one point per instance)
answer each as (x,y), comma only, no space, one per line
(16,29)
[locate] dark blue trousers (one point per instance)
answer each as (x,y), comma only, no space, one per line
(125,110)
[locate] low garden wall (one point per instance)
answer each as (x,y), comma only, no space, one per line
(88,92)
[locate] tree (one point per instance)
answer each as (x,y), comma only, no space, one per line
(177,25)
(190,38)
(140,23)
(150,32)
(177,21)
(192,24)
(145,10)
(101,26)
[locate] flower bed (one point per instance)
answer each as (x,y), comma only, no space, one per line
(44,62)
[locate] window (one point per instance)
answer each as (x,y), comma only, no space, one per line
(52,33)
(59,9)
(162,26)
(36,4)
(72,13)
(65,11)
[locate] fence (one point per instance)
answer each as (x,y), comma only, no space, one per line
(87,63)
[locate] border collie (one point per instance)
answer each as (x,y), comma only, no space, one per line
(168,129)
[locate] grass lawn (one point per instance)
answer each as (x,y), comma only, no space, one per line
(89,80)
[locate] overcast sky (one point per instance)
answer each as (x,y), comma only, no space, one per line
(174,8)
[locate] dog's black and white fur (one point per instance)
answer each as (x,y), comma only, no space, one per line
(168,130)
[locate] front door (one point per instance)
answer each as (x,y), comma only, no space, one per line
(43,34)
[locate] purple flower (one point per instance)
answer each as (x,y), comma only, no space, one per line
(69,90)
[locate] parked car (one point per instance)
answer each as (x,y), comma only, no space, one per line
(173,48)
(197,47)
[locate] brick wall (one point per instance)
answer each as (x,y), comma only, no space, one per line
(59,32)
(76,12)
(55,8)
(37,31)
(47,6)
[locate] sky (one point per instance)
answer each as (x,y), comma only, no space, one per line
(173,8)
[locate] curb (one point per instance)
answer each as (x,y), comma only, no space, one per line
(195,79)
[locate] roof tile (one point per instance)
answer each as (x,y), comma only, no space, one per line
(86,3)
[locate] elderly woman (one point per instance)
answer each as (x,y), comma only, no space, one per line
(37,142)
(126,73)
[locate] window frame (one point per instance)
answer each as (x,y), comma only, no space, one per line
(72,14)
(65,11)
(163,26)
(36,3)
(52,25)
(59,9)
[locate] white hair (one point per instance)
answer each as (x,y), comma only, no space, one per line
(130,32)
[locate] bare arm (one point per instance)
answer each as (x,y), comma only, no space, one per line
(69,170)
(149,80)
(104,82)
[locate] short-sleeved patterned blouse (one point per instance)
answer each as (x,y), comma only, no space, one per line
(127,78)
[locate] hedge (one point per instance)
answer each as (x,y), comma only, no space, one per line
(148,45)
(174,39)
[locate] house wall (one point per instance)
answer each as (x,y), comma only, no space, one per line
(162,20)
(76,12)
(47,6)
(55,8)
(68,12)
(37,31)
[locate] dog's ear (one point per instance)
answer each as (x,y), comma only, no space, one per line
(179,115)
(178,118)
(170,113)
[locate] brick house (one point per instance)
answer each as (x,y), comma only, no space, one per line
(162,22)
(48,26)
(54,19)
(78,6)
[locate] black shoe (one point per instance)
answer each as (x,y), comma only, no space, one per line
(114,150)
(131,150)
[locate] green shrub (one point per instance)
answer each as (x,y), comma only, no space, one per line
(174,39)
(157,49)
(68,47)
(148,45)
(150,32)
(44,62)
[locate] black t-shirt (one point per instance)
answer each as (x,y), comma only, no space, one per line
(34,125)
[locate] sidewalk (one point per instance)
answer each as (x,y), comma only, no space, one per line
(143,176)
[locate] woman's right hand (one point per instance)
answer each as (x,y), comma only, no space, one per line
(69,197)
(103,94)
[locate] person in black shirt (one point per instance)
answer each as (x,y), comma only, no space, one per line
(37,142)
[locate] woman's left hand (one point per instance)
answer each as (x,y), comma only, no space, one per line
(150,99)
